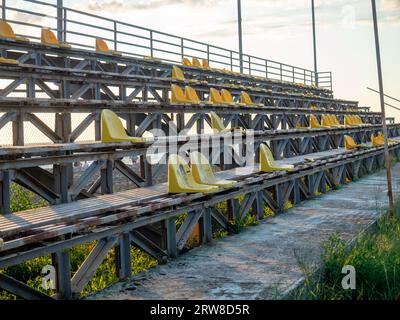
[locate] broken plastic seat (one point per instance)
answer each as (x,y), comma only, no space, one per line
(152,59)
(216,123)
(218,126)
(192,96)
(377,141)
(246,100)
(202,172)
(267,161)
(181,180)
(7,32)
(206,64)
(8,61)
(196,63)
(177,75)
(49,38)
(350,144)
(228,99)
(102,47)
(112,129)
(178,96)
(361,122)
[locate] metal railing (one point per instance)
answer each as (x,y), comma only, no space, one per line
(28,16)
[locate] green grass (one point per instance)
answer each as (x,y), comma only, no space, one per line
(29,272)
(375,257)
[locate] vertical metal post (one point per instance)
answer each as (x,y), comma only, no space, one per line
(182,49)
(240,35)
(315,43)
(171,237)
(115,36)
(3,9)
(60,33)
(151,44)
(5,186)
(382,100)
(61,261)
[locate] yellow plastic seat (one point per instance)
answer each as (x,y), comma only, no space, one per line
(49,38)
(314,123)
(152,59)
(350,144)
(177,74)
(102,47)
(326,121)
(336,122)
(8,61)
(377,141)
(178,96)
(216,123)
(196,63)
(112,129)
(360,121)
(349,121)
(186,62)
(7,32)
(227,98)
(215,97)
(206,64)
(181,180)
(203,174)
(191,95)
(267,161)
(246,100)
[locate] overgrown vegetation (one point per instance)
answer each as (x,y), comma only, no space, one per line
(375,257)
(29,272)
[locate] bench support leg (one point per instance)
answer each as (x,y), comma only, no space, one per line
(61,262)
(123,257)
(171,238)
(5,185)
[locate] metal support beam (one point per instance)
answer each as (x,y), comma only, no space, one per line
(314,43)
(123,258)
(61,261)
(21,289)
(382,101)
(5,187)
(240,31)
(171,237)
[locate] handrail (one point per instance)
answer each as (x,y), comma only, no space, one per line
(147,42)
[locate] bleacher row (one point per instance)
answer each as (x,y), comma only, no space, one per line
(49,39)
(79,215)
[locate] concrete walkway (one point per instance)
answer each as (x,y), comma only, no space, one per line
(262,262)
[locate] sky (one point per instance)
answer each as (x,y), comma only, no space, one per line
(280,30)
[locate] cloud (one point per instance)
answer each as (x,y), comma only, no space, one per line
(118,6)
(390,5)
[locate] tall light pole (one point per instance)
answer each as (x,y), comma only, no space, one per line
(315,43)
(240,35)
(382,100)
